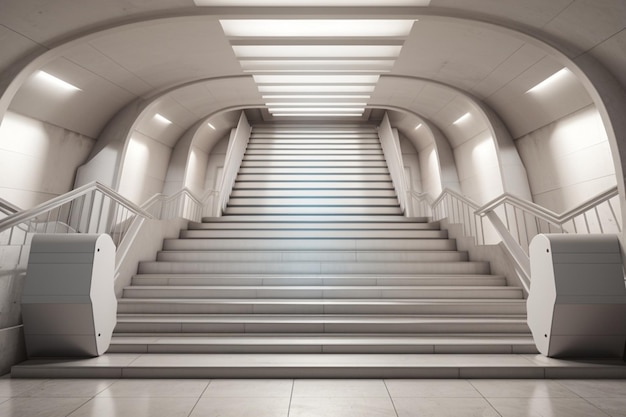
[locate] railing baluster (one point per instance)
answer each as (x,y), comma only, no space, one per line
(599,220)
(615,219)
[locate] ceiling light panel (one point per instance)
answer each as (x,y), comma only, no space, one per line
(317,51)
(319,65)
(314,103)
(315,88)
(317,114)
(316,96)
(551,80)
(56,82)
(309,3)
(316,79)
(316,109)
(321,28)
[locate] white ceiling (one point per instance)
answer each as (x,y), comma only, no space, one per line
(185,44)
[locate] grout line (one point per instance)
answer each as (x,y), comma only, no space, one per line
(391,398)
(293,383)
(199,398)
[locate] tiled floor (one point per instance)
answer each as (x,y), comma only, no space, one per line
(310,397)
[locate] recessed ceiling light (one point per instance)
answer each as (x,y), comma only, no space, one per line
(315,88)
(308,3)
(316,109)
(314,103)
(317,51)
(162,119)
(56,82)
(550,80)
(461,119)
(316,65)
(316,27)
(211,126)
(418,126)
(317,114)
(315,79)
(315,96)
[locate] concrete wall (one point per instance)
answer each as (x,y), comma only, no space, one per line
(410,159)
(568,161)
(38,160)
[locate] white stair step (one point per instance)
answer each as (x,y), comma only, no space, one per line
(320,201)
(313,164)
(336,170)
(314,234)
(313,225)
(308,156)
(260,323)
(322,292)
(327,280)
(314,193)
(300,146)
(314,210)
(322,218)
(317,152)
(152,267)
(319,185)
(364,177)
(468,307)
(310,256)
(330,140)
(309,244)
(323,343)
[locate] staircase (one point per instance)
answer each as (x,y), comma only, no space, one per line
(313,255)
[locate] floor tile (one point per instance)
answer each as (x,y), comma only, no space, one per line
(68,388)
(339,388)
(545,407)
(241,407)
(156,388)
(14,387)
(443,407)
(136,407)
(40,407)
(615,407)
(249,388)
(596,388)
(497,388)
(430,388)
(341,407)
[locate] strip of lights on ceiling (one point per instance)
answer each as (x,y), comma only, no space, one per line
(162,119)
(329,65)
(462,119)
(309,3)
(55,81)
(211,126)
(317,114)
(551,80)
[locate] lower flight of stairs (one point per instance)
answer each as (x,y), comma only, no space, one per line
(313,255)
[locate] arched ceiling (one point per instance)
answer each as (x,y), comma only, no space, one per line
(119,51)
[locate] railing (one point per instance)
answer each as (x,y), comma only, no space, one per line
(92,208)
(393,156)
(419,204)
(515,221)
(7,208)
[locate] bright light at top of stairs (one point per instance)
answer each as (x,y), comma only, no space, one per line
(317,27)
(310,3)
(317,51)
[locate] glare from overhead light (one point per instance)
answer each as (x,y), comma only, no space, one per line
(317,51)
(321,103)
(550,80)
(211,126)
(317,65)
(56,82)
(462,119)
(162,119)
(316,27)
(315,79)
(315,88)
(317,114)
(418,126)
(316,109)
(308,3)
(315,96)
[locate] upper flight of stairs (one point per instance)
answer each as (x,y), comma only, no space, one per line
(313,254)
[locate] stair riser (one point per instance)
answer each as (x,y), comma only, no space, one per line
(312,202)
(355,293)
(363,177)
(312,234)
(310,245)
(329,218)
(337,170)
(299,147)
(312,225)
(318,152)
(319,185)
(258,307)
(308,156)
(313,268)
(313,164)
(316,256)
(329,193)
(414,328)
(254,280)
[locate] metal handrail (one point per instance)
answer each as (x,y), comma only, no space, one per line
(7,207)
(59,201)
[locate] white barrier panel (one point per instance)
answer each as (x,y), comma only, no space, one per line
(577,299)
(68,303)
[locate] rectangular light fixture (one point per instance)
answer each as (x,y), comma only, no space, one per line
(315,109)
(162,119)
(315,96)
(317,114)
(418,126)
(211,126)
(56,82)
(315,79)
(317,51)
(314,103)
(309,3)
(461,119)
(317,65)
(550,80)
(317,27)
(315,88)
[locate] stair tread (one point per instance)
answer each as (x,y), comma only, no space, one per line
(335,301)
(327,287)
